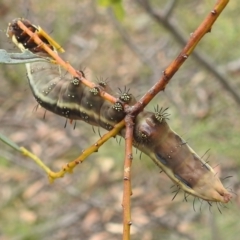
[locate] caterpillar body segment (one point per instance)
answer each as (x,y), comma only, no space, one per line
(66,96)
(177,159)
(69,97)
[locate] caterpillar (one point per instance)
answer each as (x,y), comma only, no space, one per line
(68,97)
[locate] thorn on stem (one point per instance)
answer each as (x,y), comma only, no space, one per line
(214,12)
(165,77)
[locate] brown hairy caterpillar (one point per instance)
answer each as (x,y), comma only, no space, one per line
(69,97)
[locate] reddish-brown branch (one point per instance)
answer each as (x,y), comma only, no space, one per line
(204,28)
(127,191)
(163,19)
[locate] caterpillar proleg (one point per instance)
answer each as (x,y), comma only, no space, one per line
(67,96)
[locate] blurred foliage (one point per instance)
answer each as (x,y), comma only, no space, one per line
(116,6)
(87,204)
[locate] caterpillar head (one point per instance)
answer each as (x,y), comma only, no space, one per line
(24,41)
(168,150)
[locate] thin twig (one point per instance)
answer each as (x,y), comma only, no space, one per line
(68,168)
(127,191)
(195,37)
(169,8)
(200,56)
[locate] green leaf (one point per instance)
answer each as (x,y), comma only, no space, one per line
(118,10)
(9,142)
(19,58)
(116,5)
(104,3)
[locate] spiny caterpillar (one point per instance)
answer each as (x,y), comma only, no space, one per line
(69,97)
